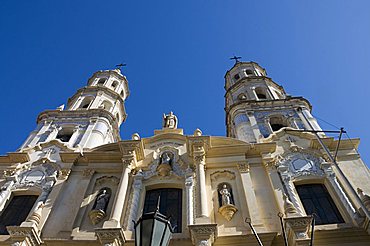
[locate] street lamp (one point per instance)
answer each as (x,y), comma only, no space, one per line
(153,229)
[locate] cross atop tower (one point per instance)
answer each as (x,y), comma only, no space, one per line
(236,58)
(119,66)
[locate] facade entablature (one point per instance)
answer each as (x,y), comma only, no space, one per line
(254,81)
(268,104)
(13,158)
(69,114)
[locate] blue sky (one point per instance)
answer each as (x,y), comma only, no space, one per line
(177,54)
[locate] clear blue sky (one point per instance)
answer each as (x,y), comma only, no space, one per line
(177,54)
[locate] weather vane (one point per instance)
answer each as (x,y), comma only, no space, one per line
(236,58)
(121,65)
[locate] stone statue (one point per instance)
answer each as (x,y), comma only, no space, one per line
(164,168)
(165,158)
(61,107)
(102,200)
(98,211)
(225,196)
(170,121)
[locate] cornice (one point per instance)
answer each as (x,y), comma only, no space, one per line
(252,79)
(68,114)
(257,105)
(238,64)
(96,89)
(14,157)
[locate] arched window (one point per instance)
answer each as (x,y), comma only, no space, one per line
(107,105)
(236,77)
(86,102)
(261,93)
(277,122)
(170,205)
(114,85)
(16,212)
(101,81)
(121,93)
(316,200)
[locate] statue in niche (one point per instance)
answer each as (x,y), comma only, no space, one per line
(226,198)
(227,207)
(99,208)
(170,121)
(102,200)
(165,164)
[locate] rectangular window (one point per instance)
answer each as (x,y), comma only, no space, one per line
(170,205)
(316,200)
(64,136)
(16,212)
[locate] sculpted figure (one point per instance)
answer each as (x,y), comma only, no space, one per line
(102,200)
(170,121)
(225,195)
(165,158)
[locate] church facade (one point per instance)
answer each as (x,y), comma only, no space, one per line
(276,177)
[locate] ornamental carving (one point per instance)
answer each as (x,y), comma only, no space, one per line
(225,174)
(88,172)
(107,179)
(22,233)
(243,167)
(166,164)
(299,163)
(112,236)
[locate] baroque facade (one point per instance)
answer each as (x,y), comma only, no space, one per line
(75,182)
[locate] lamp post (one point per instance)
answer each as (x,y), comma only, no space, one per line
(153,229)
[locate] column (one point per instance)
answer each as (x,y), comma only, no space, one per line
(117,208)
(200,162)
(249,194)
(189,185)
(137,186)
(254,125)
(5,190)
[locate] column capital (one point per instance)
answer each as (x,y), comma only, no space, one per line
(110,236)
(243,167)
(203,234)
(297,230)
(28,235)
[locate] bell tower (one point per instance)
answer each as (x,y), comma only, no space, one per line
(256,106)
(92,116)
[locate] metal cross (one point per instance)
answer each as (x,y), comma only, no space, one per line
(236,58)
(121,65)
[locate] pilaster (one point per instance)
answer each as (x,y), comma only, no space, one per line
(251,200)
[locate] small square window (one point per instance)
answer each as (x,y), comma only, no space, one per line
(236,76)
(249,72)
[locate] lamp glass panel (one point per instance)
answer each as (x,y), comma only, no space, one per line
(158,231)
(137,235)
(166,237)
(147,232)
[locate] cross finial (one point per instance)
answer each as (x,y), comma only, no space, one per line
(121,65)
(236,58)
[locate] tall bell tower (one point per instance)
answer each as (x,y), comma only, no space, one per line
(92,116)
(256,106)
